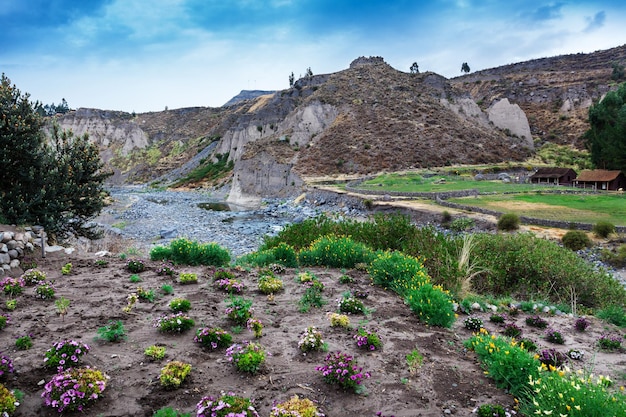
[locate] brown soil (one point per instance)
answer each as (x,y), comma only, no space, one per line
(449,381)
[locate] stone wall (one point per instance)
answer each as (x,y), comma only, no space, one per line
(13,246)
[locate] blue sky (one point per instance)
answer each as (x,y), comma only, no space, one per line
(144,55)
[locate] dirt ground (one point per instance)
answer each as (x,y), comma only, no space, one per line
(450,381)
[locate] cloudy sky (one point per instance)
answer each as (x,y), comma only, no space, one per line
(144,55)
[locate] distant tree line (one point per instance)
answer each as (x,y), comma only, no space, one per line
(51,109)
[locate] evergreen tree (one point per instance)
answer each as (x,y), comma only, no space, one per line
(606,138)
(465,68)
(291,79)
(414,68)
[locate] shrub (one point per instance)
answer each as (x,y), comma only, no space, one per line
(24,342)
(296,407)
(239,310)
(33,277)
(497,318)
(339,320)
(461,224)
(225,406)
(491,410)
(343,370)
(135,266)
(554,336)
(146,295)
(12,286)
(312,297)
(508,222)
(169,412)
(269,284)
(432,304)
(336,252)
(134,278)
(512,330)
(112,332)
(368,339)
(187,278)
(528,345)
(613,314)
(167,289)
(166,268)
(230,285)
(473,323)
(248,357)
(397,271)
(213,337)
(8,401)
(45,291)
(221,273)
(186,252)
(311,339)
(581,324)
(283,254)
(65,354)
(576,240)
(3,321)
(255,326)
(74,389)
(552,357)
(603,229)
(154,352)
(536,321)
(6,366)
(174,323)
(180,304)
(610,342)
(350,304)
(173,374)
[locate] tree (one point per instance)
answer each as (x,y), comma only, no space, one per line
(618,71)
(606,137)
(465,68)
(309,73)
(291,79)
(59,184)
(414,68)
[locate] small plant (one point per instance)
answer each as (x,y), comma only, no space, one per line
(339,320)
(155,353)
(552,357)
(146,295)
(167,289)
(169,412)
(230,285)
(368,339)
(12,286)
(33,277)
(213,337)
(227,405)
(255,326)
(180,304)
(135,266)
(304,277)
(491,410)
(8,401)
(66,269)
(65,354)
(296,407)
(173,374)
(346,279)
(112,332)
(166,268)
(3,321)
(74,389)
(536,321)
(247,357)
(508,222)
(311,339)
(528,345)
(132,299)
(45,291)
(473,323)
(432,304)
(312,297)
(221,273)
(576,354)
(512,330)
(239,310)
(350,304)
(101,263)
(603,229)
(554,336)
(174,323)
(6,366)
(269,284)
(187,278)
(576,240)
(610,342)
(343,370)
(62,305)
(11,304)
(461,224)
(497,318)
(24,342)
(581,324)
(135,279)
(414,361)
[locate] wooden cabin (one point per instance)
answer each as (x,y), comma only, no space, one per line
(601,179)
(555,176)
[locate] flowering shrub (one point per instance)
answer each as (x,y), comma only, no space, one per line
(367,340)
(33,277)
(65,354)
(73,389)
(239,310)
(432,304)
(45,291)
(576,354)
(248,357)
(8,401)
(473,323)
(187,278)
(6,366)
(178,322)
(581,324)
(512,330)
(173,374)
(536,321)
(610,342)
(269,284)
(255,326)
(213,337)
(230,285)
(135,266)
(336,252)
(310,339)
(554,336)
(154,352)
(552,357)
(351,305)
(397,271)
(12,286)
(342,369)
(296,407)
(339,320)
(180,304)
(227,405)
(3,321)
(166,268)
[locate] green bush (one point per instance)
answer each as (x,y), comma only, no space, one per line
(461,224)
(186,252)
(576,240)
(613,314)
(174,373)
(7,401)
(335,252)
(282,254)
(432,305)
(397,271)
(508,222)
(169,412)
(603,229)
(617,258)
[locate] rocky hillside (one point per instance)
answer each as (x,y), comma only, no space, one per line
(367,118)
